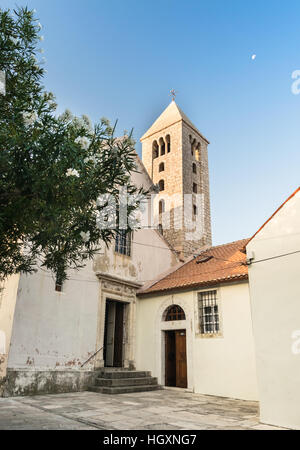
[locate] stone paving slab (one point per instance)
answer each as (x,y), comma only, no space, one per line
(165,409)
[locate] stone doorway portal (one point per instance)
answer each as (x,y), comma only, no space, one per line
(113,350)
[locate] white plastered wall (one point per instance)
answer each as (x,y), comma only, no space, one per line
(54,330)
(275,302)
(223,365)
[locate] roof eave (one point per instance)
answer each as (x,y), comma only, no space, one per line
(193,286)
(274,214)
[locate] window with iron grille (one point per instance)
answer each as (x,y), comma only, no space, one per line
(123,243)
(174,312)
(208,312)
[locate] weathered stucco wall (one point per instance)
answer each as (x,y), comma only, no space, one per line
(223,365)
(150,256)
(8,296)
(54,330)
(275,302)
(32,382)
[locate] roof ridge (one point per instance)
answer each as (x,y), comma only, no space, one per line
(274,213)
(222,245)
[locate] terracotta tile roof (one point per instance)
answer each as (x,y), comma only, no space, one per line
(219,264)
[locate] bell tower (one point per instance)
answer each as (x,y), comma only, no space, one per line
(174,153)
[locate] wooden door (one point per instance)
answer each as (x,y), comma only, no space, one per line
(181,366)
(110,333)
(118,344)
(170,358)
(175,358)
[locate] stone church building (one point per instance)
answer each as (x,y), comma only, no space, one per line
(160,307)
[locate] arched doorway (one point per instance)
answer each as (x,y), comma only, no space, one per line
(175,349)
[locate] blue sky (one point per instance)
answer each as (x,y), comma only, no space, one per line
(120,58)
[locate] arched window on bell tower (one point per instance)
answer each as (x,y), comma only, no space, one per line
(193,146)
(197,152)
(168,141)
(161,167)
(161,185)
(161,207)
(155,150)
(162,146)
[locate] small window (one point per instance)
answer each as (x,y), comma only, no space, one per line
(162,146)
(195,212)
(168,140)
(160,229)
(174,312)
(155,149)
(194,168)
(195,188)
(161,207)
(161,185)
(208,312)
(123,243)
(161,167)
(197,152)
(193,145)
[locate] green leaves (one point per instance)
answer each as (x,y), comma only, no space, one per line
(52,169)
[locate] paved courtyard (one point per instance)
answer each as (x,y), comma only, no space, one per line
(156,410)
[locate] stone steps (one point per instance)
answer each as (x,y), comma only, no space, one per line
(123,389)
(110,381)
(114,374)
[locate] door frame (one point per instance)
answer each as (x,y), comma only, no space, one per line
(168,334)
(162,326)
(114,304)
(115,288)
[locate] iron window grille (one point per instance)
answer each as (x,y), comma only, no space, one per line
(175,312)
(208,312)
(123,243)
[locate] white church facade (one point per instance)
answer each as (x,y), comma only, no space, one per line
(161,300)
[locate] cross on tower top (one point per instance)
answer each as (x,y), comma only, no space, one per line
(173,94)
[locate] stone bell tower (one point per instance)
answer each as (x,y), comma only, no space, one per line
(174,153)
